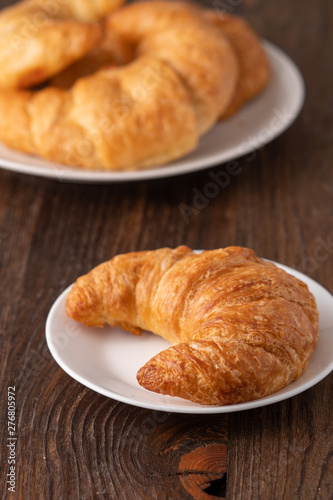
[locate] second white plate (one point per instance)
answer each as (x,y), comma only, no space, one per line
(107,360)
(258,123)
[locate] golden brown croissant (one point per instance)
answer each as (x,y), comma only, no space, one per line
(242,328)
(143,114)
(254,70)
(178,34)
(39,38)
(110,119)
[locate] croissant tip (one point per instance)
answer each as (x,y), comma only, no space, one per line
(154,377)
(81,305)
(150,377)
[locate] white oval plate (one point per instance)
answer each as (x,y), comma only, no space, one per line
(107,360)
(256,124)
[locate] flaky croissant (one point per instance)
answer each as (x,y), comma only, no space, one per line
(254,70)
(242,328)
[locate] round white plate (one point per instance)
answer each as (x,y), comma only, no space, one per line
(254,125)
(107,360)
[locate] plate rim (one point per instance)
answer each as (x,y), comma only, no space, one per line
(196,408)
(64,173)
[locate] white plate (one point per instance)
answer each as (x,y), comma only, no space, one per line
(256,124)
(107,360)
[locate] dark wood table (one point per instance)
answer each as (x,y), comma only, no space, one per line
(73,443)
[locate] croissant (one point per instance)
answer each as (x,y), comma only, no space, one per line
(241,327)
(39,38)
(177,33)
(254,70)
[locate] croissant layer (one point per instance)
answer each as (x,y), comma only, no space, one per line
(241,327)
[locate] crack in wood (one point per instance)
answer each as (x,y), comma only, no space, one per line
(195,472)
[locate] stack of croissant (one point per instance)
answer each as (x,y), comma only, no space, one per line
(241,327)
(99,85)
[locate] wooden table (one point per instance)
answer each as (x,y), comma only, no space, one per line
(76,444)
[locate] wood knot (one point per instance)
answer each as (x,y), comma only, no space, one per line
(203,472)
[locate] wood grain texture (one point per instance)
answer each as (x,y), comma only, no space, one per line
(75,444)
